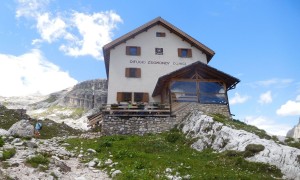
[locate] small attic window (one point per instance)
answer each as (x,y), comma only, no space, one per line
(160,34)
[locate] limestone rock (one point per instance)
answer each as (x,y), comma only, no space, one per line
(219,137)
(22,128)
(3,132)
(115,173)
(295,131)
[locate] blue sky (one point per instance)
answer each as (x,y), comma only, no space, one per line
(48,45)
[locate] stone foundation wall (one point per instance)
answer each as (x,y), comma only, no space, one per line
(136,125)
(205,108)
(143,125)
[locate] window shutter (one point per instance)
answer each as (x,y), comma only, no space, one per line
(189,53)
(119,97)
(138,51)
(127,50)
(179,52)
(145,97)
(138,72)
(127,72)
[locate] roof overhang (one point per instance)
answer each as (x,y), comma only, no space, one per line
(157,21)
(205,71)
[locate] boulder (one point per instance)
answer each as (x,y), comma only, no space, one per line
(221,138)
(22,128)
(3,132)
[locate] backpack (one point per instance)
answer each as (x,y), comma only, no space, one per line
(38,126)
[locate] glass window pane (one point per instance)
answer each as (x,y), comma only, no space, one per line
(127,96)
(133,50)
(180,86)
(212,93)
(138,97)
(184,52)
(212,99)
(211,87)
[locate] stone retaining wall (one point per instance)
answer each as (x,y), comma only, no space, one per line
(143,125)
(136,125)
(205,108)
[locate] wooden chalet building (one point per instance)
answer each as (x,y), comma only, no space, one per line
(159,63)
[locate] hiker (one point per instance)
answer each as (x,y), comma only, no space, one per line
(38,127)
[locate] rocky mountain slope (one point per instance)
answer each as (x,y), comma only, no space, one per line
(221,135)
(70,106)
(295,131)
(50,157)
(216,135)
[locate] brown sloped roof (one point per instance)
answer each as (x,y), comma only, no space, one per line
(204,70)
(106,49)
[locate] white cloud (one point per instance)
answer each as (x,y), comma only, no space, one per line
(298,98)
(31,73)
(83,33)
(265,98)
(275,81)
(95,30)
(49,28)
(238,99)
(268,125)
(30,8)
(290,108)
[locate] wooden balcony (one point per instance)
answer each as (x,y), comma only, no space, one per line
(161,110)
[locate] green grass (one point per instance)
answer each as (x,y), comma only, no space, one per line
(292,142)
(1,142)
(147,157)
(38,160)
(52,129)
(8,153)
(8,117)
(236,124)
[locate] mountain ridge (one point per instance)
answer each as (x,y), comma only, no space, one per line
(71,105)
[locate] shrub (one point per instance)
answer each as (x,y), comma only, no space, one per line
(1,142)
(252,149)
(37,160)
(8,153)
(232,153)
(173,137)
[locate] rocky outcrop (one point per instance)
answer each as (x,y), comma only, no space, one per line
(295,132)
(87,95)
(3,132)
(215,135)
(22,128)
(63,164)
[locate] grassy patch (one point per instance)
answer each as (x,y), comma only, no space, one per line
(52,129)
(1,142)
(148,157)
(8,153)
(8,117)
(236,124)
(38,160)
(292,142)
(60,111)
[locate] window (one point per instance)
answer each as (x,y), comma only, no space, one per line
(137,97)
(159,51)
(212,93)
(184,52)
(141,97)
(133,50)
(160,34)
(133,72)
(202,92)
(124,96)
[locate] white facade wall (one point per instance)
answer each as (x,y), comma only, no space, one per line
(150,72)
